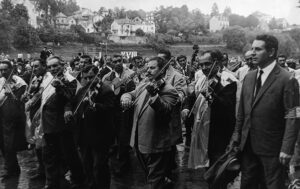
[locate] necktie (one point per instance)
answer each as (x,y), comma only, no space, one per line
(258,82)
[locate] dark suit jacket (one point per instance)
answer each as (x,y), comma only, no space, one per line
(152,121)
(96,126)
(263,118)
(55,107)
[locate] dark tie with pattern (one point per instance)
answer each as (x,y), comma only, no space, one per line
(258,83)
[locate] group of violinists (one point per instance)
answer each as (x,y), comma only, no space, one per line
(85,117)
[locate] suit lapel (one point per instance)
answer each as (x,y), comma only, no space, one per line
(270,79)
(143,105)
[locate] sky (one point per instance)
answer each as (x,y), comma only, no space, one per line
(278,8)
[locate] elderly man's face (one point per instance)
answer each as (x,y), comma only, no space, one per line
(209,67)
(5,70)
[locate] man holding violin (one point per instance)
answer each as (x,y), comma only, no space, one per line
(214,110)
(94,120)
(12,125)
(151,135)
(56,117)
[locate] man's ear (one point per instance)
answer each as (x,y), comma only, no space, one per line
(272,53)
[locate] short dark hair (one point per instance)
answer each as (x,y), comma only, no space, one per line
(60,61)
(89,59)
(215,55)
(167,54)
(160,61)
(271,42)
(181,57)
(41,61)
(8,63)
(88,68)
(282,56)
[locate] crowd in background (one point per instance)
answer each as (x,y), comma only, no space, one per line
(77,115)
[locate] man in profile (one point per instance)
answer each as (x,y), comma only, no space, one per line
(267,123)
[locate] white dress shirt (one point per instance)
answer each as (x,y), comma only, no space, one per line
(266,72)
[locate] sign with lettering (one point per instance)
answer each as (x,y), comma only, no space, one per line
(129,54)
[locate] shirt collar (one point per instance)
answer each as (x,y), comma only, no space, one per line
(267,70)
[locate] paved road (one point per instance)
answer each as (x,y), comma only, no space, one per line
(186,178)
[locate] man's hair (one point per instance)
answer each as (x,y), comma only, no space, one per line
(8,63)
(41,61)
(166,52)
(160,61)
(60,61)
(215,55)
(271,42)
(225,56)
(89,59)
(181,57)
(282,56)
(88,68)
(137,57)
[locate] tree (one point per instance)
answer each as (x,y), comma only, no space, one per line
(139,32)
(7,6)
(274,25)
(5,33)
(105,23)
(19,12)
(214,10)
(49,7)
(237,20)
(24,35)
(69,7)
(235,38)
(252,21)
(227,12)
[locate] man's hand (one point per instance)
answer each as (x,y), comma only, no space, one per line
(126,103)
(184,114)
(152,89)
(28,105)
(284,158)
(68,116)
(57,83)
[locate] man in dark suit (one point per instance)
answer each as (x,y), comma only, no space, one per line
(56,114)
(152,130)
(95,121)
(266,128)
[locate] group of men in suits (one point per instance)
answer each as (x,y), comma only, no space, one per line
(86,109)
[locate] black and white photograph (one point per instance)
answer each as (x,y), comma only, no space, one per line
(156,94)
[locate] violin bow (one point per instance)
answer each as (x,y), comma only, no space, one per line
(205,82)
(87,90)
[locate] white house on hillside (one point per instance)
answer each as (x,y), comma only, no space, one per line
(127,27)
(61,21)
(217,23)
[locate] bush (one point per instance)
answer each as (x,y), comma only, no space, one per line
(139,32)
(25,35)
(235,38)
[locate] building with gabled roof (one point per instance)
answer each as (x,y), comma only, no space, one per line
(217,23)
(128,27)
